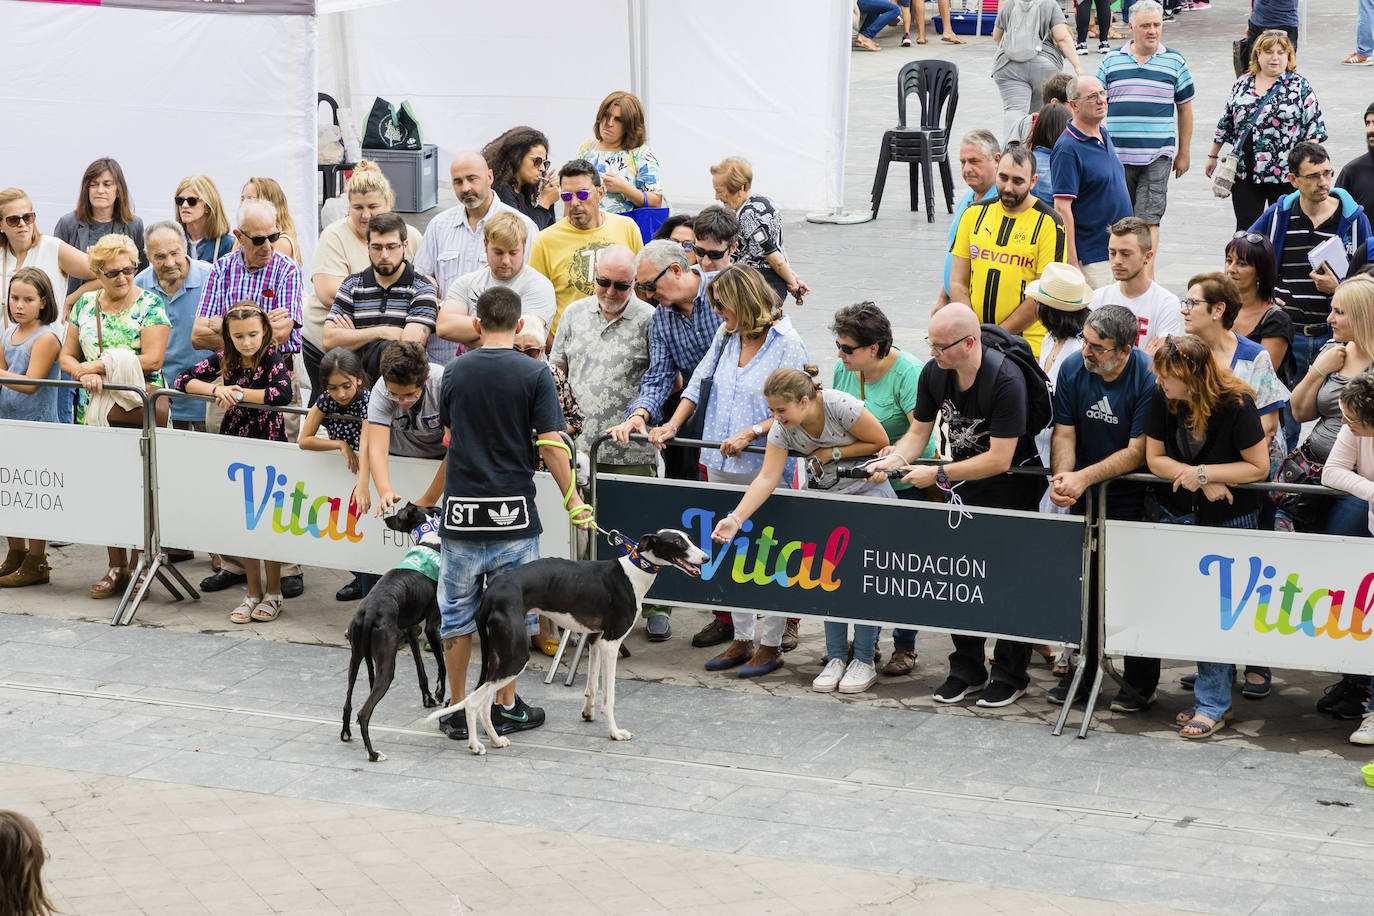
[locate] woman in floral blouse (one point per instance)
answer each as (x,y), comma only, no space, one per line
(1287,118)
(620,152)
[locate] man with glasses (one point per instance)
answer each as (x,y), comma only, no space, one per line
(1130,251)
(260,274)
(403,419)
(1002,245)
(1089,182)
(453,244)
(1295,225)
(504,243)
(984,440)
(1147,85)
(390,300)
(567,251)
(1101,399)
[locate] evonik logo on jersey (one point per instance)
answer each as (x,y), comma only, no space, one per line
(993,256)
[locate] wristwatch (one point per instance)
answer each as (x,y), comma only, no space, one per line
(836,454)
(1202,474)
(757,430)
(941,478)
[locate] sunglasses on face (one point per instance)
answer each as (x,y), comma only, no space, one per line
(19,219)
(186,201)
(256,240)
(538,162)
(120,272)
(846,349)
(710,255)
(580,195)
(534,352)
(605,283)
(652,286)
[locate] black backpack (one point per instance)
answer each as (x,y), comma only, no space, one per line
(999,345)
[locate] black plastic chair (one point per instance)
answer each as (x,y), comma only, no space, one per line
(935,83)
(332,176)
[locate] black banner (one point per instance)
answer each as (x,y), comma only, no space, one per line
(880,561)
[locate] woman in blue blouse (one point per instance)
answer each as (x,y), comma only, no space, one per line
(754,339)
(201,213)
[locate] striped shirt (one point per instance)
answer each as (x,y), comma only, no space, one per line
(1303,302)
(276,285)
(1141,99)
(410,300)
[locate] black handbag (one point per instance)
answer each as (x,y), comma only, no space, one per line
(695,427)
(1307,510)
(1240,55)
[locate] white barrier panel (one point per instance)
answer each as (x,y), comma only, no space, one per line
(1224,595)
(71,483)
(275,501)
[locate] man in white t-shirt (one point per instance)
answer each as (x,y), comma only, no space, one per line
(504,239)
(1130,252)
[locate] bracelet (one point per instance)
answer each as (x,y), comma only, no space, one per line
(1325,375)
(738,521)
(214,391)
(1212,157)
(671,425)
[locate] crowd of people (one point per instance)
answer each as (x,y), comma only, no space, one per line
(479,341)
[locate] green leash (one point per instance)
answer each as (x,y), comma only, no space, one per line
(576,513)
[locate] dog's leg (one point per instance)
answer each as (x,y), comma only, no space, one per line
(384,648)
(436,646)
(610,653)
(353,662)
(478,713)
(593,672)
(413,637)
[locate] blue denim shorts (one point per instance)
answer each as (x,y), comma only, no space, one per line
(463,570)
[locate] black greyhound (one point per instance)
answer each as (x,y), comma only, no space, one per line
(403,599)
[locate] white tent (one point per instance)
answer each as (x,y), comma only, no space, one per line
(169,92)
(766,79)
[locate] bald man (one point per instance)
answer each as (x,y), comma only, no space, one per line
(454,243)
(982,442)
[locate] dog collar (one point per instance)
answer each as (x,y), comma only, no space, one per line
(429,527)
(619,540)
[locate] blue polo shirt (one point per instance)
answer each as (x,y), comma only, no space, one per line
(964,203)
(181,311)
(1087,171)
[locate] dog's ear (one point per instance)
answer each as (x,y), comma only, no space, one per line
(648,542)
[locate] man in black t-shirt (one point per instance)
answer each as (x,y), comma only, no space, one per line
(492,400)
(982,449)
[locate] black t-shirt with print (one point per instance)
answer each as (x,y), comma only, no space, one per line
(1231,429)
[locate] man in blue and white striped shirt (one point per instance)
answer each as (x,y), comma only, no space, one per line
(1146,82)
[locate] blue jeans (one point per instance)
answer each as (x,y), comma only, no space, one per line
(837,641)
(465,567)
(876,15)
(1364,29)
(1349,516)
(1305,349)
(1212,690)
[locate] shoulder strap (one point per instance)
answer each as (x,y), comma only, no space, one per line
(99,335)
(1254,115)
(987,381)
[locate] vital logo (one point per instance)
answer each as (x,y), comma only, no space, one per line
(794,562)
(505,515)
(1320,614)
(288,521)
(1102,410)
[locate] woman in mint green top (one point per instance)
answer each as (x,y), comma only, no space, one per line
(884,378)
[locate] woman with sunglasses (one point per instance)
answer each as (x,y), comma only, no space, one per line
(103,208)
(119,316)
(760,228)
(522,175)
(201,213)
(1202,436)
(22,245)
(1251,265)
(620,151)
(680,228)
(1275,125)
(754,339)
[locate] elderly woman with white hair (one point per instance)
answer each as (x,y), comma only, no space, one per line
(760,228)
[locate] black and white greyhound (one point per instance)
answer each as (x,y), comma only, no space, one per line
(598,597)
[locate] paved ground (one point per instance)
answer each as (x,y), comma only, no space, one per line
(187,765)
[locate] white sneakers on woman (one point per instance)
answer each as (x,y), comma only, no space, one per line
(857,678)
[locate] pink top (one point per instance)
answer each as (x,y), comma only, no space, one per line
(1350,467)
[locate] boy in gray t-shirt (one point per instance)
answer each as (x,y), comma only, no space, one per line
(403,419)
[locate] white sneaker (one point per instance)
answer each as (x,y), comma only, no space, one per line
(858,677)
(1365,733)
(830,676)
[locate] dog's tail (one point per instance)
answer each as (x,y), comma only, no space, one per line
(445,710)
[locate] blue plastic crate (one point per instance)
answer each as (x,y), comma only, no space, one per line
(967,23)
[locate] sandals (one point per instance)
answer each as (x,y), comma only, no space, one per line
(952,39)
(1189,719)
(111,583)
(1253,691)
(267,609)
(244,612)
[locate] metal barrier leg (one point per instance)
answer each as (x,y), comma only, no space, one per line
(1092,701)
(138,587)
(170,569)
(1068,701)
(557,656)
(576,660)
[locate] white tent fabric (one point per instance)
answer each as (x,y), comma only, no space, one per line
(168,94)
(767,80)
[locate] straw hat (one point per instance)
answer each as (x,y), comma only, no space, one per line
(1062,287)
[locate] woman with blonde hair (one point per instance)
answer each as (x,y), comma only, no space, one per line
(200,211)
(267,189)
(754,339)
(1202,436)
(22,245)
(620,151)
(342,250)
(760,228)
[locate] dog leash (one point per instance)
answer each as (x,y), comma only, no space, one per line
(583,509)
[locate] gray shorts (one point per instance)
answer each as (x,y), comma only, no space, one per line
(1148,186)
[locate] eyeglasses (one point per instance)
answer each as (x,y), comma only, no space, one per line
(1099,94)
(535,352)
(1187,305)
(120,272)
(937,349)
(652,286)
(1276,33)
(687,244)
(620,285)
(260,239)
(1254,238)
(186,201)
(710,255)
(1327,174)
(389,249)
(581,195)
(1095,349)
(847,350)
(14,221)
(538,162)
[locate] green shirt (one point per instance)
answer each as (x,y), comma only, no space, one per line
(421,559)
(889,399)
